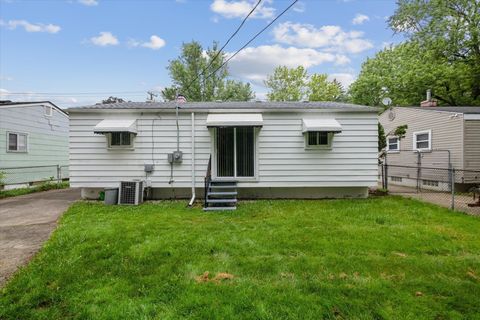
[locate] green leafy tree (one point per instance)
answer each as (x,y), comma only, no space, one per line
(382,140)
(294,84)
(449,28)
(190,79)
(320,89)
(231,90)
(406,71)
(287,84)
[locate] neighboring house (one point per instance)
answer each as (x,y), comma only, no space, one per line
(33,141)
(434,136)
(269,149)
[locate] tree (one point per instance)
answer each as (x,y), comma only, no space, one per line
(294,84)
(382,140)
(287,84)
(190,79)
(112,99)
(451,28)
(320,89)
(405,72)
(231,90)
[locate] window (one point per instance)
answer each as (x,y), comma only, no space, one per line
(235,147)
(16,142)
(431,183)
(393,144)
(396,179)
(120,140)
(422,140)
(318,139)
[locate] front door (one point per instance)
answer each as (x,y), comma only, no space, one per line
(235,152)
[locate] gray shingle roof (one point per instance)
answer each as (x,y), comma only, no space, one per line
(231,105)
(465,109)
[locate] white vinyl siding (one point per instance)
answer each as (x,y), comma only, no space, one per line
(282,160)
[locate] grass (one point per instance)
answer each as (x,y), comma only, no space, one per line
(38,188)
(381,258)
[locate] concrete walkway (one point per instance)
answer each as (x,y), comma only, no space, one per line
(26,222)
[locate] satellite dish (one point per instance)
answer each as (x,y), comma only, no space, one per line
(386,101)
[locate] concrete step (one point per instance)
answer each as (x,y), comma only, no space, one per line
(222,193)
(233,200)
(219,208)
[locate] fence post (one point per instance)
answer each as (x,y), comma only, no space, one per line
(452,183)
(386,176)
(58,173)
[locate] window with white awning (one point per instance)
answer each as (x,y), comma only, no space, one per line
(234,120)
(321,125)
(119,133)
(109,126)
(319,132)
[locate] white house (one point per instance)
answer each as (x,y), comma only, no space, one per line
(260,149)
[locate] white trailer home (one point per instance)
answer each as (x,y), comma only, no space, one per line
(253,149)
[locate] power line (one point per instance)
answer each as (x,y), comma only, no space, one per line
(73,93)
(253,38)
(223,47)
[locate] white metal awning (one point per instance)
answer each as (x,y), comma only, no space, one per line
(234,120)
(107,126)
(325,125)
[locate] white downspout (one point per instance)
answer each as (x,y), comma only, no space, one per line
(193,161)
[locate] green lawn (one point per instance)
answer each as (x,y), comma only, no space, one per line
(381,258)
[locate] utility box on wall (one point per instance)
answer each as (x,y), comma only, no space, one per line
(175,157)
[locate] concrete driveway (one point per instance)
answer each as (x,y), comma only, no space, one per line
(26,222)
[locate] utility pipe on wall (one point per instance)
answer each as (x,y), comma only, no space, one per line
(193,161)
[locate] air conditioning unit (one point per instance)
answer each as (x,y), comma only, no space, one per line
(131,192)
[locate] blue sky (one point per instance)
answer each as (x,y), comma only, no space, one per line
(76,52)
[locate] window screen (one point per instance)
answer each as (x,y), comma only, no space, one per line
(236,152)
(393,144)
(121,139)
(422,140)
(17,142)
(317,138)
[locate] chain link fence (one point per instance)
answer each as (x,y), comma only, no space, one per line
(448,187)
(33,174)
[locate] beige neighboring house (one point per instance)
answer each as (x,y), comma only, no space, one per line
(436,138)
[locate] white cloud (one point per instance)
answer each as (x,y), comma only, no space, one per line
(31,27)
(330,38)
(105,39)
(346,79)
(89,2)
(255,63)
(240,9)
(360,19)
(155,43)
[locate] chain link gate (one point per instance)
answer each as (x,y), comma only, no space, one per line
(430,176)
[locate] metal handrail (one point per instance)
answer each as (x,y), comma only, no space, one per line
(208,179)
